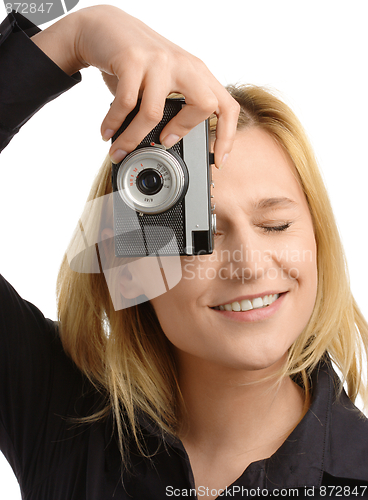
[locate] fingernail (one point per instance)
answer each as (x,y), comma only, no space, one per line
(108,134)
(170,140)
(224,160)
(118,155)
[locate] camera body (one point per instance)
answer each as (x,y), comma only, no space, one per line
(162,198)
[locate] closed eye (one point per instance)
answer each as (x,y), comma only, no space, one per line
(268,229)
(277,228)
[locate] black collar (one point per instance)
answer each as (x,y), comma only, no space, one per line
(332,437)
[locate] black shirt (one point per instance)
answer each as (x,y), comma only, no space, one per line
(28,78)
(41,390)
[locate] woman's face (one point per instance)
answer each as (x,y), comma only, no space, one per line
(265,251)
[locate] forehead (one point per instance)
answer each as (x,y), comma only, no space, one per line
(257,169)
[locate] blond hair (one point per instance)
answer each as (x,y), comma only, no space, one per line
(130,359)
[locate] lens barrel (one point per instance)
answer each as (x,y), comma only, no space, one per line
(149,181)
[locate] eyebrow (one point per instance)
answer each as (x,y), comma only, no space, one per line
(267,203)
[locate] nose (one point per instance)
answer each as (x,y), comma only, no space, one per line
(245,256)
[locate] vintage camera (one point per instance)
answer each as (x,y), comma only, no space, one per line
(162,198)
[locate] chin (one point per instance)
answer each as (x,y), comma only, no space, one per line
(255,362)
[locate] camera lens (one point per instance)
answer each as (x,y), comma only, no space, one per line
(149,181)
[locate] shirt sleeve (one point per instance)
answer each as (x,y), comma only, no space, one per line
(40,389)
(28,77)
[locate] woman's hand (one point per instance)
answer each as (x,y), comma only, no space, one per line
(135,61)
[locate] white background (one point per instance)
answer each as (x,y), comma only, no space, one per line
(314,53)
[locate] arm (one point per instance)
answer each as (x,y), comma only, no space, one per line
(28,78)
(137,62)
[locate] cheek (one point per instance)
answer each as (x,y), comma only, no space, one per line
(174,316)
(306,262)
(301,267)
(183,309)
(174,308)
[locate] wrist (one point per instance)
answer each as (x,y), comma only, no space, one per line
(59,43)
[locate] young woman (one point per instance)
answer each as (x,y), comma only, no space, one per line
(222,386)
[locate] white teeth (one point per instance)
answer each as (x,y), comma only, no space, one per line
(258,302)
(247,305)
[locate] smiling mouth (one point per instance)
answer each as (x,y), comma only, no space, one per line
(247,305)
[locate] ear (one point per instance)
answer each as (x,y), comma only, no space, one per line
(142,276)
(141,279)
(130,283)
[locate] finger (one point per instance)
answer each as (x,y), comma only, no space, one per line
(199,106)
(192,114)
(226,129)
(126,97)
(227,110)
(150,114)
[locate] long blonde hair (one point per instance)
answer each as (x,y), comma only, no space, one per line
(125,353)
